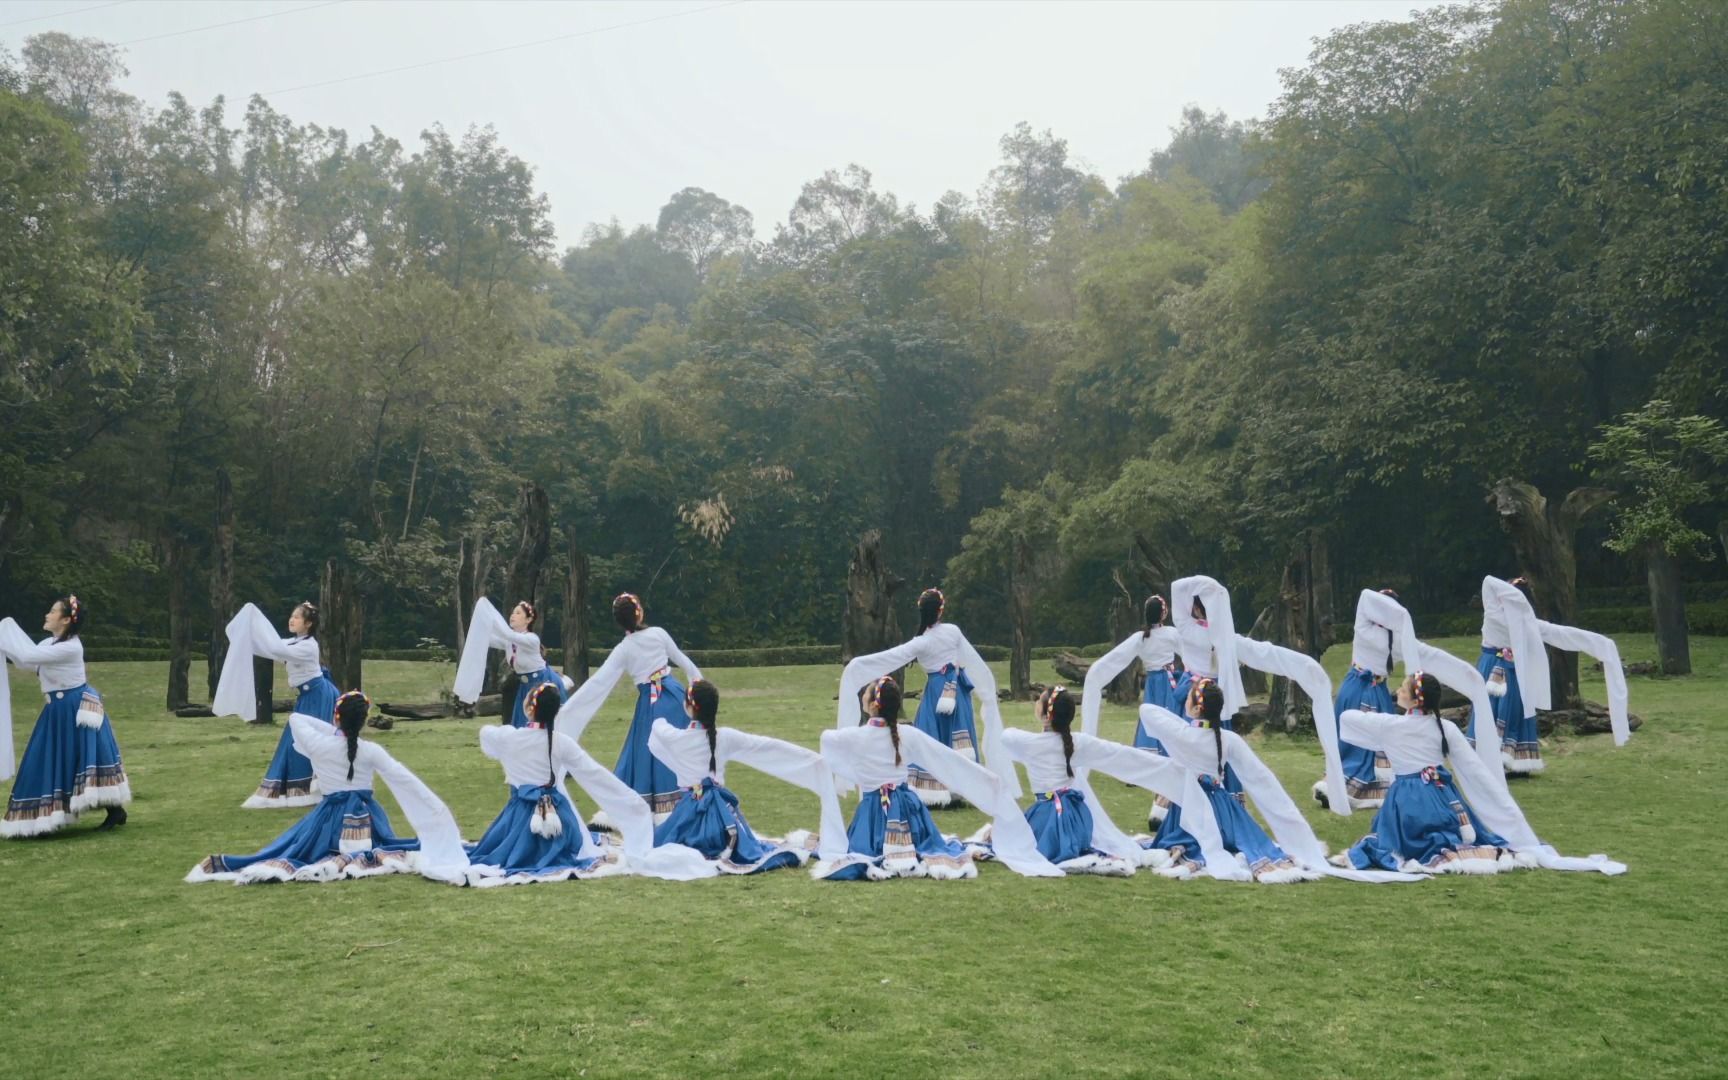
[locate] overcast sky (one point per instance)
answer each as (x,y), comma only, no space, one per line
(747,99)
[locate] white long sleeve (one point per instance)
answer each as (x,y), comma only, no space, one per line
(629,811)
(1507,613)
(1156,774)
(1153,651)
(1601,648)
(1463,677)
(1306,672)
(861,671)
(488,630)
(1377,613)
(1011,838)
(251,636)
(442,856)
(1220,630)
(8,763)
(984,686)
(798,766)
(579,708)
(58,665)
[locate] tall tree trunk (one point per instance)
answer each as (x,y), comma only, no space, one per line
(1020,582)
(575,631)
(263,692)
(1253,681)
(11,520)
(869,623)
(1543,537)
(1301,619)
(1125,617)
(178,557)
(1668,610)
(533,548)
(341,622)
(221,578)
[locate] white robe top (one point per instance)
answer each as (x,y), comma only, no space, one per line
(488,630)
(441,852)
(250,635)
(865,756)
(1509,622)
(1382,627)
(1412,743)
(523,753)
(937,647)
(59,665)
(1041,753)
(642,654)
(684,750)
(1208,649)
(1601,648)
(1153,650)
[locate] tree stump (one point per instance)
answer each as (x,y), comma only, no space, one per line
(1071,667)
(341,622)
(1124,689)
(221,579)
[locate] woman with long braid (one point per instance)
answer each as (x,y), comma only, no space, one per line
(288,779)
(348,835)
(707,816)
(1155,645)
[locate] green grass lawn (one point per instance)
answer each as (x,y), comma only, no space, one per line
(110,966)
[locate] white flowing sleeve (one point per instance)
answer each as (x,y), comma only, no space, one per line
(8,763)
(1528,653)
(307,732)
(1011,837)
(1492,803)
(1155,773)
(1159,722)
(795,765)
(1601,648)
(442,857)
(1306,672)
(629,811)
(1463,677)
(676,655)
(838,756)
(494,738)
(1289,827)
(1220,630)
(579,708)
(859,672)
(250,636)
(1383,611)
(486,629)
(984,686)
(18,647)
(1098,676)
(1364,729)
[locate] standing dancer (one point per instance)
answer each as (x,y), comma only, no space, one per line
(72,762)
(1155,647)
(1515,665)
(647,653)
(953,669)
(1382,629)
(348,834)
(288,780)
(707,816)
(517,639)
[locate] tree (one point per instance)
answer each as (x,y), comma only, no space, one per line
(1674,466)
(703,227)
(1220,153)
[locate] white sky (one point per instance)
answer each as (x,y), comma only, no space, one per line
(748,100)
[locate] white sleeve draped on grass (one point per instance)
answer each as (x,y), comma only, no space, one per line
(1306,672)
(1603,650)
(629,812)
(250,636)
(1157,774)
(795,765)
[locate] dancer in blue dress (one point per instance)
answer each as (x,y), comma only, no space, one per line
(647,654)
(1515,665)
(288,780)
(72,762)
(1382,625)
(1155,647)
(348,834)
(521,646)
(891,834)
(1425,824)
(708,817)
(953,671)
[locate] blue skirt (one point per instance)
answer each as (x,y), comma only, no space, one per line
(1364,770)
(525,687)
(288,780)
(955,730)
(1168,688)
(638,767)
(891,835)
(707,819)
(1425,820)
(68,767)
(1519,743)
(346,835)
(1062,823)
(511,852)
(1241,834)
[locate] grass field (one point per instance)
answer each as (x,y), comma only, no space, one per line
(110,966)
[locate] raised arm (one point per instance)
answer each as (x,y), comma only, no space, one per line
(579,708)
(1306,672)
(629,811)
(1381,610)
(250,635)
(861,670)
(1011,837)
(1220,630)
(1464,678)
(1099,675)
(1503,599)
(795,765)
(1601,648)
(442,856)
(16,646)
(984,685)
(676,655)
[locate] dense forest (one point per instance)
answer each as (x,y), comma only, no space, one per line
(1296,352)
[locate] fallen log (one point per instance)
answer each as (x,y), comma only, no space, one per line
(488,705)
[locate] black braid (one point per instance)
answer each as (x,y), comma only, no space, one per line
(704,700)
(1427,688)
(1153,613)
(929,609)
(887,696)
(351,717)
(1212,711)
(543,707)
(1059,710)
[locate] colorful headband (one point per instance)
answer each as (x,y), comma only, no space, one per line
(941,601)
(529,606)
(309,606)
(1416,689)
(73,600)
(354,694)
(635,602)
(875,695)
(1519,580)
